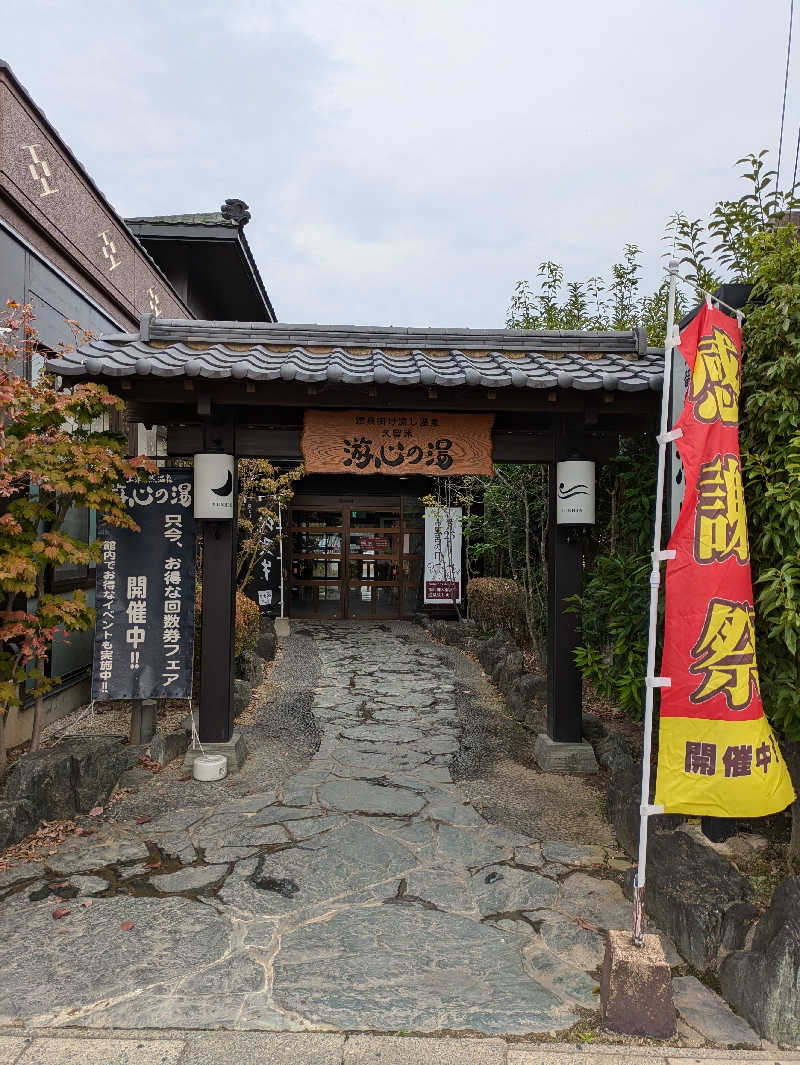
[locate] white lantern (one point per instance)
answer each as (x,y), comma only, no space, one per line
(575,492)
(213,486)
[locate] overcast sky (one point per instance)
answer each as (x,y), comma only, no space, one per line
(407,162)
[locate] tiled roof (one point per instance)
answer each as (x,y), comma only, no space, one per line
(350,355)
(210,218)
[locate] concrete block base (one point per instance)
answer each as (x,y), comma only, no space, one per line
(235,750)
(554,757)
(636,988)
(281,626)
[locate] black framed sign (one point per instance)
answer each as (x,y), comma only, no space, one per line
(144,631)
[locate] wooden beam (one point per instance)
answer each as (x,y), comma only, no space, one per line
(283,443)
(219,596)
(230,393)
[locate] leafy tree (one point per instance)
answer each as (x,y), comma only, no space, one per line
(751,240)
(770,445)
(55,454)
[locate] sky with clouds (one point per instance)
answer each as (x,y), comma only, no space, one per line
(407,163)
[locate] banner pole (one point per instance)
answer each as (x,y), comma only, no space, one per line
(280,552)
(658,556)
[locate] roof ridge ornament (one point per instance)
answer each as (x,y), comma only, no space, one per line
(236,211)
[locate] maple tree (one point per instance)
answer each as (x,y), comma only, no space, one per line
(56,453)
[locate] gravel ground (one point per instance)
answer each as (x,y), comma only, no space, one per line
(279,730)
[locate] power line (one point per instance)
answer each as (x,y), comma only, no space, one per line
(785,87)
(796,154)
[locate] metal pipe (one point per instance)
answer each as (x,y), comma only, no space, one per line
(651,681)
(280,549)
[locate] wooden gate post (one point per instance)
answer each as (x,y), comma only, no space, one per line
(564,565)
(219,606)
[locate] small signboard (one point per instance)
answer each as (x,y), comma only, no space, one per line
(433,443)
(442,555)
(373,544)
(144,632)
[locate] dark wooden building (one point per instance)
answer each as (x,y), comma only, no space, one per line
(66,251)
(275,390)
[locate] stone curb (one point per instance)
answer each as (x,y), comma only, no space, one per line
(181,1047)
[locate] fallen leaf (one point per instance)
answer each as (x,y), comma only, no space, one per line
(57,884)
(95,811)
(126,926)
(155,864)
(143,820)
(63,931)
(231,784)
(84,831)
(87,903)
(59,912)
(185,778)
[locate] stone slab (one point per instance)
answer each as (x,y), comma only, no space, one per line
(441,888)
(556,757)
(358,796)
(469,849)
(412,969)
(93,960)
(165,747)
(412,1050)
(194,878)
(501,889)
(235,750)
(264,1048)
(10,1049)
(710,1015)
(104,1052)
(573,853)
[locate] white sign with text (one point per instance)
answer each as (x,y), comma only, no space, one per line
(442,555)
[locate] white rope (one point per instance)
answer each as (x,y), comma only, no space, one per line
(66,731)
(195,735)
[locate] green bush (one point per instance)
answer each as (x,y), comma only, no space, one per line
(497,603)
(247,623)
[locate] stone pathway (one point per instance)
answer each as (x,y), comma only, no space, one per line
(363,893)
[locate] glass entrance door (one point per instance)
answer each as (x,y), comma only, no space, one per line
(316,543)
(373,563)
(347,561)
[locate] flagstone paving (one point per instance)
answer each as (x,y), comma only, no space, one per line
(362,893)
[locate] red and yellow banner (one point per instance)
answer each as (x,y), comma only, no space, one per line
(717,753)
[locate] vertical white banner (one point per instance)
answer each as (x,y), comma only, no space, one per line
(442,555)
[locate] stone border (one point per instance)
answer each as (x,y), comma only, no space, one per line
(249,666)
(55,783)
(525,693)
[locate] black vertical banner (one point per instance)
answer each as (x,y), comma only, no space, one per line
(144,632)
(264,585)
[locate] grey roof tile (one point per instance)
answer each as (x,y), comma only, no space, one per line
(443,358)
